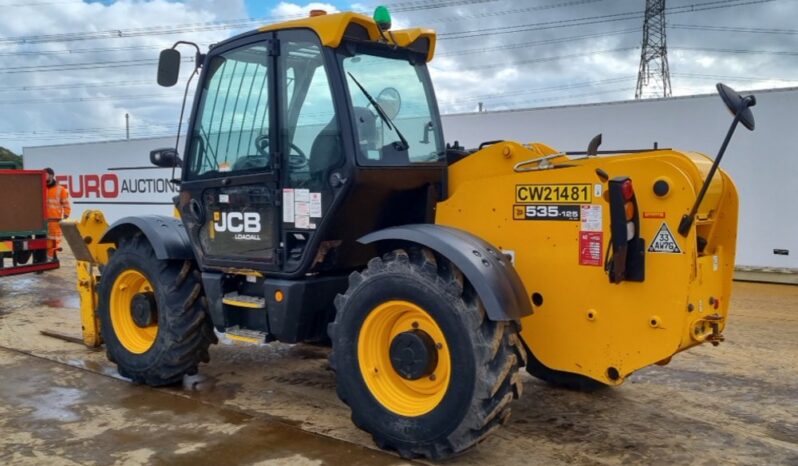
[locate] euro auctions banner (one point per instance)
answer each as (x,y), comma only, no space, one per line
(114,177)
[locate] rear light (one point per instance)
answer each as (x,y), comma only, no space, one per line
(630,211)
(628,249)
(627,190)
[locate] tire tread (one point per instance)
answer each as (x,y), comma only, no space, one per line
(182,317)
(498,352)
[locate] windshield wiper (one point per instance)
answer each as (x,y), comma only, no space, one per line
(381,113)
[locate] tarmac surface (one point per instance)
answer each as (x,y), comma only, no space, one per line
(61,403)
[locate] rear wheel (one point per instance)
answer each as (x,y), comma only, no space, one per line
(417,360)
(153,315)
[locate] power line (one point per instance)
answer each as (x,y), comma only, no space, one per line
(76,86)
(149,82)
(738,78)
(244,22)
(539,26)
(737,51)
(518,92)
(569,97)
(79,51)
(206,26)
(536,43)
(87,99)
(431,5)
(126,33)
(513,11)
(599,19)
(163,125)
(84,66)
(545,59)
(747,30)
(92,137)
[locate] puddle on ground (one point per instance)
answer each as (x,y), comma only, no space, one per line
(96,367)
(57,404)
(23,291)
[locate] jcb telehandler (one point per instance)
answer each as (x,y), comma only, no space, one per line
(318,200)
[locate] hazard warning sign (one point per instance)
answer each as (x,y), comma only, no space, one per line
(664,241)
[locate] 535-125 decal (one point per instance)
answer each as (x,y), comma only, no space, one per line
(546,212)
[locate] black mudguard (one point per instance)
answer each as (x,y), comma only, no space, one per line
(488,270)
(167,235)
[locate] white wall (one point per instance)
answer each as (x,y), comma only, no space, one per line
(763,163)
(126,183)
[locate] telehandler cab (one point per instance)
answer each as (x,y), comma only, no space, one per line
(319,201)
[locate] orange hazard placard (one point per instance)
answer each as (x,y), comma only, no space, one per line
(590,247)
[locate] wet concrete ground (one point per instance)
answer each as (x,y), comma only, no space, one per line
(57,414)
(59,402)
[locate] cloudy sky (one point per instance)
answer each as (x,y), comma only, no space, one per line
(70,70)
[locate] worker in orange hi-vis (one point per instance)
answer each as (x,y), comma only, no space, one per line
(58,208)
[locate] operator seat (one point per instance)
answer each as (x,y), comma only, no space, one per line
(327,151)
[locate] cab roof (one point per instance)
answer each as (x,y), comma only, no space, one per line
(332,28)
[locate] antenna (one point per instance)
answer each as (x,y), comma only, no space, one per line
(654,77)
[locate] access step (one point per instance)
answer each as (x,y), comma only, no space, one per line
(243,335)
(243,300)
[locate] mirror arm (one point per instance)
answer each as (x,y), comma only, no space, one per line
(180,127)
(687,220)
(199,57)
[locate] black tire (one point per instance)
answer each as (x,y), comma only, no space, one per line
(184,329)
(485,356)
(39,256)
(560,379)
(22,257)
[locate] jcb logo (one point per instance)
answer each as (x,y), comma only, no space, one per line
(237,222)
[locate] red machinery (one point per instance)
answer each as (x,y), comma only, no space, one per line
(23,223)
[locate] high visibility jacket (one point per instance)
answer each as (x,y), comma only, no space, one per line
(58,206)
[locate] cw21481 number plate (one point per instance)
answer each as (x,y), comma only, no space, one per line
(547,212)
(553,193)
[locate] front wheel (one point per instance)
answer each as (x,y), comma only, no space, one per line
(153,315)
(417,360)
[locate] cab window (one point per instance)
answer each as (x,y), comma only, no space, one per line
(231,132)
(404,114)
(310,131)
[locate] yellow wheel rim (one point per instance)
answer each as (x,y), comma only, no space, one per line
(134,338)
(396,393)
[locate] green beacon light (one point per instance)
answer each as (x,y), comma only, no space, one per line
(382,17)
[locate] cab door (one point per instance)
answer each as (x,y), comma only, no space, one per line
(312,123)
(229,198)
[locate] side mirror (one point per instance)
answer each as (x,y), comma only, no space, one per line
(168,67)
(738,105)
(165,158)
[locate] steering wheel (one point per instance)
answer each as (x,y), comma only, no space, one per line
(297,160)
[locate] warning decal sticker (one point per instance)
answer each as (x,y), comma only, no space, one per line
(664,241)
(591,217)
(300,206)
(590,246)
